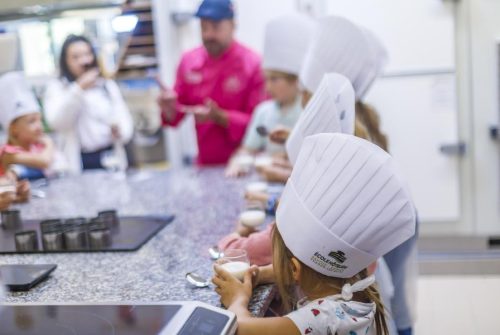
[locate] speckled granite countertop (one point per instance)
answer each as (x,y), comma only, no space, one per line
(205,204)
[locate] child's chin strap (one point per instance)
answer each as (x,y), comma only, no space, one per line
(361,285)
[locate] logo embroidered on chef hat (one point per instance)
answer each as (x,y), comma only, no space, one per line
(338,255)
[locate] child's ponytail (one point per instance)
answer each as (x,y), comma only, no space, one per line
(373,295)
(369,118)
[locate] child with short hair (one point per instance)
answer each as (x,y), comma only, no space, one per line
(344,206)
(337,46)
(28,151)
(285,44)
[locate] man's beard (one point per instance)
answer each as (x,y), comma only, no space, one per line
(214,48)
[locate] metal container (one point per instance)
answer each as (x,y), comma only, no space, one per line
(110,218)
(26,241)
(11,219)
(51,224)
(100,238)
(75,237)
(52,239)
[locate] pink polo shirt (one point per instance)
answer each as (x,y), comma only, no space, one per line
(235,82)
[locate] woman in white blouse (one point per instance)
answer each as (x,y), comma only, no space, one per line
(86,111)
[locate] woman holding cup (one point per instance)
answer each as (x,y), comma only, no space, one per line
(85,109)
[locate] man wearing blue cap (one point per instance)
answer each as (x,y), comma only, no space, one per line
(220,83)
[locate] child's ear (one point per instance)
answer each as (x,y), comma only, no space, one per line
(296,268)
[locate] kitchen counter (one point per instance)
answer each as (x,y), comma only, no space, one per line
(205,204)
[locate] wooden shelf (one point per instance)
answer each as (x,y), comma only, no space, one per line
(137,6)
(148,50)
(139,52)
(142,40)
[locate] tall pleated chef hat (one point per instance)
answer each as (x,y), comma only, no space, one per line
(374,66)
(345,205)
(286,41)
(16,98)
(339,46)
(330,110)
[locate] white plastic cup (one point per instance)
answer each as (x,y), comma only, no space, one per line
(252,218)
(237,269)
(258,186)
(235,261)
(245,162)
(263,161)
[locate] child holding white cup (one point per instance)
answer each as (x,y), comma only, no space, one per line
(337,216)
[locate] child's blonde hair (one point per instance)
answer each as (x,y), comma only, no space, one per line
(311,281)
(369,118)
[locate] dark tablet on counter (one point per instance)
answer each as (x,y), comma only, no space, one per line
(22,277)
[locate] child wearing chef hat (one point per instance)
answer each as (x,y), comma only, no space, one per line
(285,44)
(337,46)
(344,206)
(330,110)
(28,150)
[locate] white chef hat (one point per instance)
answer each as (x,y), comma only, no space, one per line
(330,110)
(344,206)
(337,46)
(374,65)
(16,99)
(286,41)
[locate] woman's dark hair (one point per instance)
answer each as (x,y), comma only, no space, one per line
(63,64)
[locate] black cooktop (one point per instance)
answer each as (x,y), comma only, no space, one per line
(67,235)
(88,320)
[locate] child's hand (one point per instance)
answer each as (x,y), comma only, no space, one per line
(6,199)
(279,134)
(261,197)
(231,290)
(23,192)
(234,170)
(244,231)
(282,162)
(255,270)
(275,174)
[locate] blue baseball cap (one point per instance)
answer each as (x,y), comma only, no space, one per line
(215,10)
